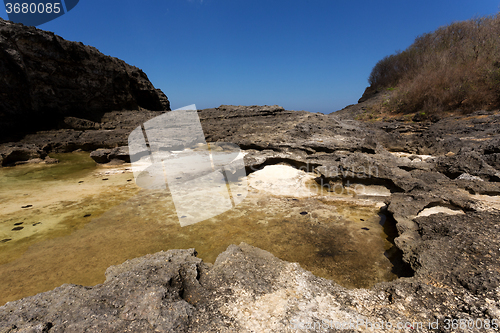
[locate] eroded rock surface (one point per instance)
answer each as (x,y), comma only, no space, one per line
(246,290)
(440,181)
(444,197)
(110,132)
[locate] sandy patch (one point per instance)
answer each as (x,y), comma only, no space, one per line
(440,209)
(413,157)
(487,202)
(282,180)
(31,209)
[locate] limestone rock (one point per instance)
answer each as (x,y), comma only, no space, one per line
(12,153)
(44,78)
(100,155)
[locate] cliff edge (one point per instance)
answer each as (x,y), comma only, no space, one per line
(44,78)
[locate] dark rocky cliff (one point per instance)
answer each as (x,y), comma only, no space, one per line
(44,78)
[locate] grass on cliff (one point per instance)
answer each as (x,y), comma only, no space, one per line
(455,68)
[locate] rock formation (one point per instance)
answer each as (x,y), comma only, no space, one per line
(444,182)
(44,78)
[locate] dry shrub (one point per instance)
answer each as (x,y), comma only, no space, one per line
(456,67)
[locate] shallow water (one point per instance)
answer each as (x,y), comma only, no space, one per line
(85,218)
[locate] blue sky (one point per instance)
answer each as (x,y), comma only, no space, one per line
(309,55)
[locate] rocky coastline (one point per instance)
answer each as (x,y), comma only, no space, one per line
(450,165)
(443,176)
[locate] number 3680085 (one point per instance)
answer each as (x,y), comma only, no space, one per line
(39,8)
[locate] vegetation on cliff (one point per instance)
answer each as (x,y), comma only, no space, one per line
(455,68)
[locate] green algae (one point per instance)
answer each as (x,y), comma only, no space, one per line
(71,165)
(337,239)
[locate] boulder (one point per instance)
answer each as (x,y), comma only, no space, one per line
(466,162)
(11,154)
(103,156)
(100,156)
(119,153)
